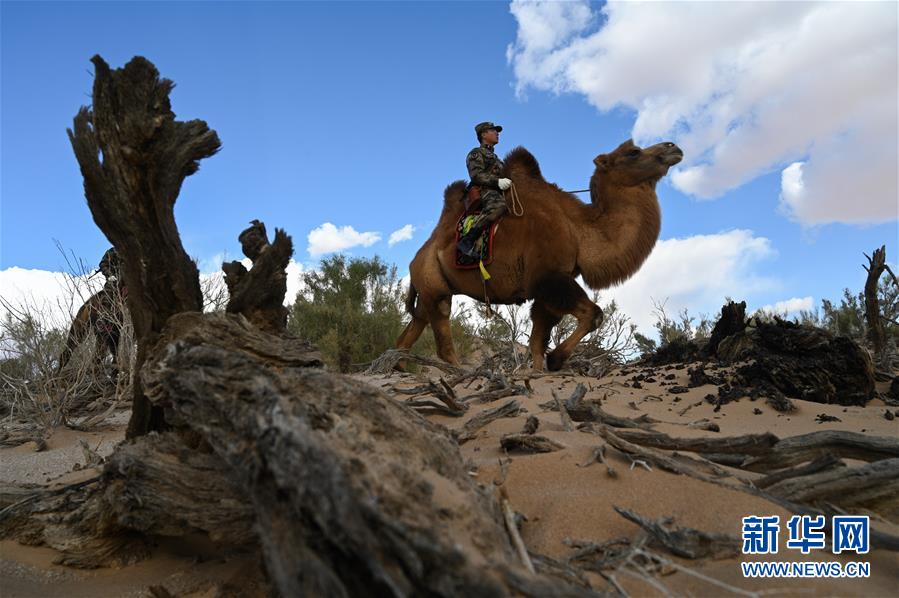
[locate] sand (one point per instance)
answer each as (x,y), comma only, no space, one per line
(559,498)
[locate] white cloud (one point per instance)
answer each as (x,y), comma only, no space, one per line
(54,297)
(744,88)
(696,273)
(401,234)
(789,306)
(328,238)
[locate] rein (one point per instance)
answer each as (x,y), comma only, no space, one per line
(515,204)
(516,208)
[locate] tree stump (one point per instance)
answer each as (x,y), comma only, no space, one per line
(259,293)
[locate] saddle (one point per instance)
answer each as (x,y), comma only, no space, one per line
(484,242)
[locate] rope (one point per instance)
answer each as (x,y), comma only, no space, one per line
(516,208)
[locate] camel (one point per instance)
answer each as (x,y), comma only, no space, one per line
(540,254)
(101,313)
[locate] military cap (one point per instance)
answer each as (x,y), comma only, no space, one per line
(481,127)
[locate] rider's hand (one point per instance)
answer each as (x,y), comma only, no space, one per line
(504,184)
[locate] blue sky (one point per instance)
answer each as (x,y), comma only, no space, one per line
(359,114)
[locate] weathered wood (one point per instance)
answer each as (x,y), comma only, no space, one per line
(470,429)
(731,321)
(154,485)
(259,293)
(675,463)
(352,492)
(822,463)
(873,317)
(684,541)
(801,362)
(494,395)
(593,413)
(529,443)
(873,486)
(134,156)
(563,413)
(750,444)
(807,447)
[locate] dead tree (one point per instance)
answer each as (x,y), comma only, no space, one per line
(259,293)
(876,333)
(134,156)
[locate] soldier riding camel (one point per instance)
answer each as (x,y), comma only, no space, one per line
(484,170)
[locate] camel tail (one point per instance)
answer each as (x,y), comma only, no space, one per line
(411,295)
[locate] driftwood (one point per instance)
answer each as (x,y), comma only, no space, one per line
(470,429)
(444,393)
(823,463)
(684,541)
(675,463)
(750,444)
(259,293)
(531,424)
(391,359)
(152,486)
(494,395)
(807,447)
(874,486)
(134,156)
(529,443)
(563,413)
(599,456)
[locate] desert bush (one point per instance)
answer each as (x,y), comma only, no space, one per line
(35,393)
(682,329)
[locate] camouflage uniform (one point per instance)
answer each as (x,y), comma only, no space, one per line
(485,169)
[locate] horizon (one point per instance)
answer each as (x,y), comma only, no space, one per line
(344,126)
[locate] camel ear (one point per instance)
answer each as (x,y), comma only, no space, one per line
(626,146)
(601,161)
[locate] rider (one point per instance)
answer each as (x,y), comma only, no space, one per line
(484,169)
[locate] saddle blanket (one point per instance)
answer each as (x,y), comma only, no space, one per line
(483,244)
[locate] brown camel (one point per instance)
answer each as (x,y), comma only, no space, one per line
(102,314)
(540,254)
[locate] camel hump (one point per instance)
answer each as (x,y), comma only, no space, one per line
(521,159)
(454,193)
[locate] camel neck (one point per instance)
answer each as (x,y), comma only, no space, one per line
(624,224)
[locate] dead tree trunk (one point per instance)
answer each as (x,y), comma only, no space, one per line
(347,491)
(876,334)
(732,321)
(259,293)
(134,156)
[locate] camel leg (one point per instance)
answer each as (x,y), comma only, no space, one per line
(543,320)
(563,295)
(77,332)
(439,316)
(415,326)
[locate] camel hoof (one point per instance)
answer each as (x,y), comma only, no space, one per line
(554,362)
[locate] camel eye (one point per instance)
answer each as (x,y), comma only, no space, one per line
(633,153)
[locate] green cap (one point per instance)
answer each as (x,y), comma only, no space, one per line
(481,127)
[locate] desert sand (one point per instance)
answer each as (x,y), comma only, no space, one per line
(563,497)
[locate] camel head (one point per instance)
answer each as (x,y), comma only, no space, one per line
(631,165)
